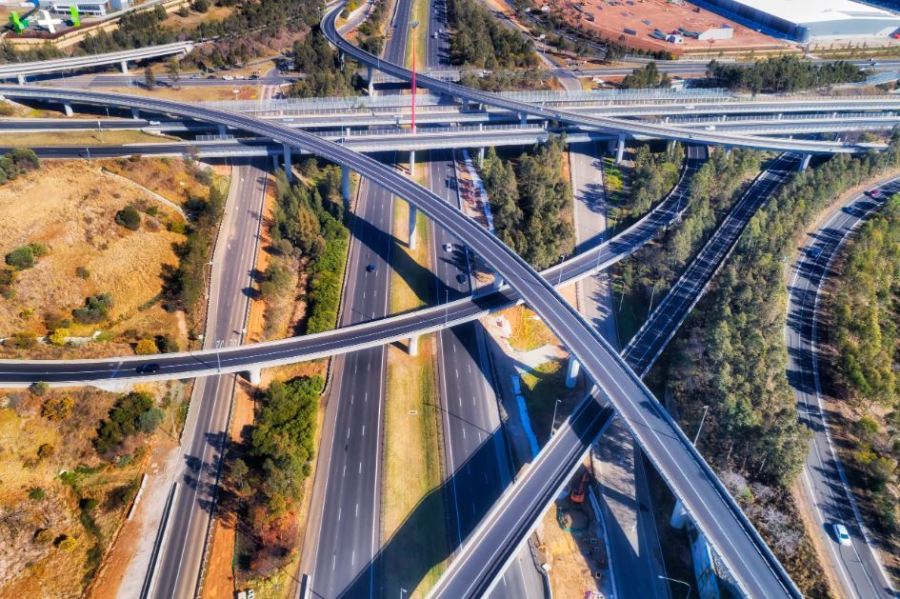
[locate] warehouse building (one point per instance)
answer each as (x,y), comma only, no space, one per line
(809,20)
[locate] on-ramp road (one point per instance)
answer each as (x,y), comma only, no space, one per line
(859,571)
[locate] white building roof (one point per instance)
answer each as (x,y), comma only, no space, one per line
(818,11)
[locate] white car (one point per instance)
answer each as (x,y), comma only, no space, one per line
(448,247)
(840,532)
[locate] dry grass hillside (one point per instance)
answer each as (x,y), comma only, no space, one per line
(61,504)
(70,208)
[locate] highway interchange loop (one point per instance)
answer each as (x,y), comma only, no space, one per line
(716,514)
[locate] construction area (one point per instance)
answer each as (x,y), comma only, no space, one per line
(673,26)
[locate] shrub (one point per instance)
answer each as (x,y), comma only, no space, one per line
(67,544)
(82,273)
(96,309)
(200,5)
(36,493)
(132,414)
(43,536)
(145,347)
(38,388)
(7,279)
(21,258)
(57,408)
(45,451)
(129,218)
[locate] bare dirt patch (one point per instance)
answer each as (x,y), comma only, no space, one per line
(645,16)
(70,208)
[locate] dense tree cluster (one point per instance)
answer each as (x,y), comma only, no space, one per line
(95,309)
(46,51)
(732,357)
(369,34)
(235,38)
(527,197)
(654,174)
(480,40)
(132,414)
(866,315)
(716,185)
(185,286)
(782,74)
(308,224)
(646,76)
(266,483)
(17,162)
(324,76)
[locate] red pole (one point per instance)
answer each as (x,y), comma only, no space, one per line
(414,80)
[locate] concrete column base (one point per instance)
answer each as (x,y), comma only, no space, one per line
(805,163)
(412,163)
(254,376)
(124,65)
(413,346)
(572,372)
(345,183)
(68,109)
(412,226)
(21,79)
(135,113)
(287,162)
(620,149)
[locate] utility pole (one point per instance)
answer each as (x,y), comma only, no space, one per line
(413,25)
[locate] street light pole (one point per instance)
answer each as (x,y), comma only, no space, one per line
(690,588)
(413,25)
(553,423)
(702,420)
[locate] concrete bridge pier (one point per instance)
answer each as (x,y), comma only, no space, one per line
(572,371)
(413,217)
(412,163)
(124,66)
(135,113)
(223,130)
(413,345)
(68,109)
(287,162)
(21,79)
(679,516)
(480,156)
(620,148)
(727,150)
(804,164)
(345,183)
(498,282)
(254,375)
(523,118)
(370,77)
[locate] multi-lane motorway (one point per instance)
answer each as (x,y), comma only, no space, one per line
(715,513)
(205,429)
(859,571)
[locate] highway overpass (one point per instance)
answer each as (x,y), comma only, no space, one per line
(717,515)
(623,128)
(21,70)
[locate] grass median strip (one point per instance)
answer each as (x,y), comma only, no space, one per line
(415,544)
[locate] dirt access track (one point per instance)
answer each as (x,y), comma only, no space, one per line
(613,17)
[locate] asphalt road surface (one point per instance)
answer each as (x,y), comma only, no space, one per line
(859,572)
(635,555)
(206,426)
(349,529)
(715,512)
(650,340)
